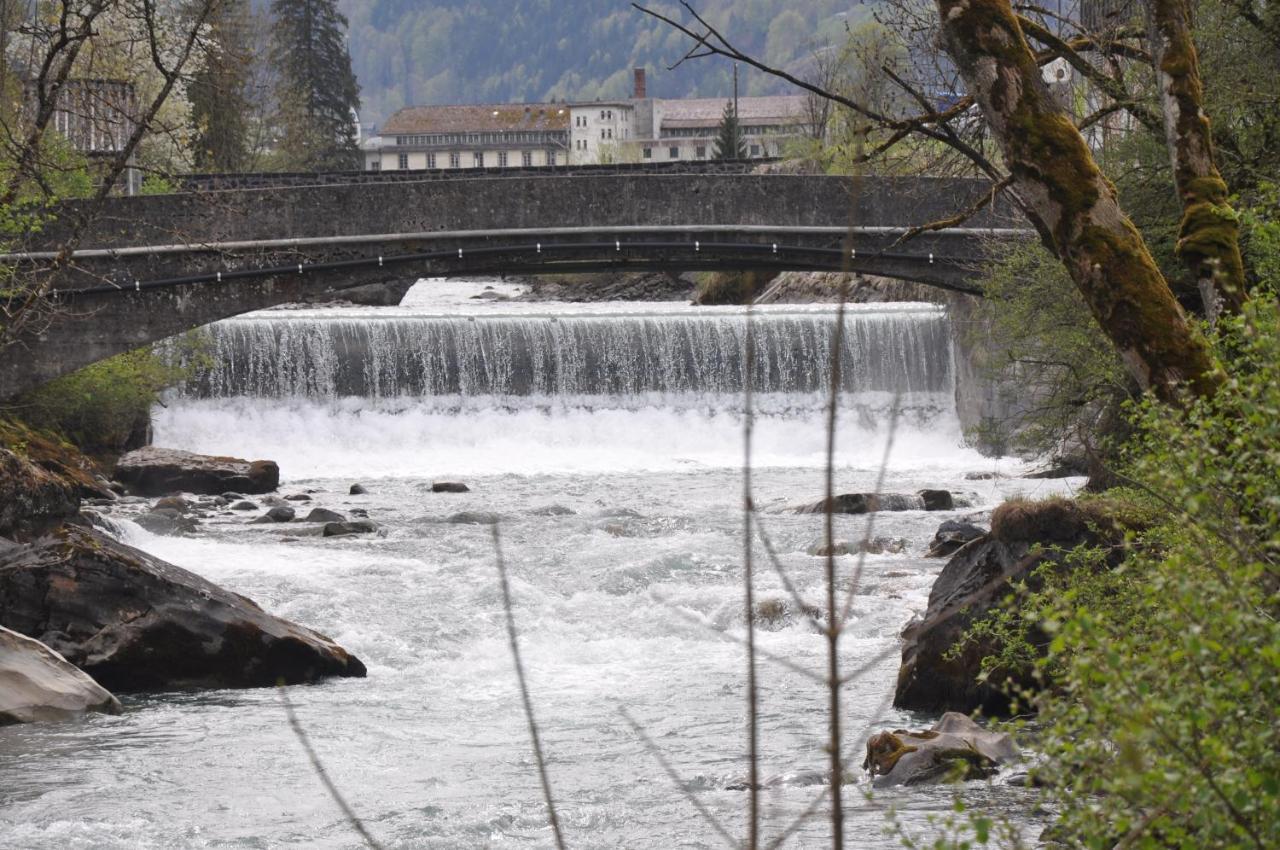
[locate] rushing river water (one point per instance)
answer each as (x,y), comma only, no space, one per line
(609,441)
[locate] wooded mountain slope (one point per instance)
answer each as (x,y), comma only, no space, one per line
(480,51)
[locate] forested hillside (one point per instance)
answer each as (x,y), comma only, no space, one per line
(449,51)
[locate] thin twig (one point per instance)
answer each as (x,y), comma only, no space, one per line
(524,691)
(834,624)
(352,818)
(749,598)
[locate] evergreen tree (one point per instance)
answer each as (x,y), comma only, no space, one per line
(729,141)
(317,92)
(219,94)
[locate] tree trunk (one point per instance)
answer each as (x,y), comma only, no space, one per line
(1072,205)
(1209,237)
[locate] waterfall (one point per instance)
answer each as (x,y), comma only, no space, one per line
(903,350)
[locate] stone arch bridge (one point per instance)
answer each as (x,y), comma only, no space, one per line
(146,268)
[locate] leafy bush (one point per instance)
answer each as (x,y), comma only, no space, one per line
(104,408)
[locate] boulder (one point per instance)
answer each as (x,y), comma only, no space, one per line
(347,529)
(136,623)
(950,536)
(865,503)
(955,748)
(934,676)
(358,490)
(154,471)
(450,487)
(324,515)
(173,503)
(298,497)
(244,506)
(32,499)
(38,684)
(166,522)
(277,514)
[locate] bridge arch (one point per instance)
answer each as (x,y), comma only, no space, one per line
(152,267)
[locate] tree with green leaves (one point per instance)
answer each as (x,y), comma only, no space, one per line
(729,141)
(219,93)
(317,92)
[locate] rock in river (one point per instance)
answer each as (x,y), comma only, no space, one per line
(955,747)
(156,472)
(866,503)
(324,515)
(951,535)
(38,684)
(450,487)
(347,529)
(136,623)
(276,514)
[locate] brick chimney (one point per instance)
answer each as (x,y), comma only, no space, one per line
(642,88)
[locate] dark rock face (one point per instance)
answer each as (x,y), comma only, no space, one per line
(324,515)
(155,472)
(950,536)
(358,490)
(866,503)
(347,529)
(450,487)
(136,623)
(32,499)
(1023,536)
(37,684)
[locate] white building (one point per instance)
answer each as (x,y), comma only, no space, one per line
(447,137)
(639,129)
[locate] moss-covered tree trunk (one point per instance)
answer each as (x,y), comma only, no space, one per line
(1209,237)
(1072,205)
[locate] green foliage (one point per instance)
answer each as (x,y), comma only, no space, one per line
(1038,337)
(218,91)
(729,143)
(101,407)
(1260,234)
(318,93)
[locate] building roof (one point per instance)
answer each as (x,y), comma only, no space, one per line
(708,111)
(490,118)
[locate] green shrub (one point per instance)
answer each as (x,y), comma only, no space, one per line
(104,408)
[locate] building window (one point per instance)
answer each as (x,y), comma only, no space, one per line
(455,160)
(702,151)
(648,153)
(601,114)
(551,157)
(611,132)
(431,160)
(478,160)
(526,159)
(404,162)
(674,152)
(375,165)
(755,150)
(502,159)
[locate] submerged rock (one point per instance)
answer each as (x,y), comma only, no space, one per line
(552,510)
(37,684)
(347,529)
(866,503)
(298,497)
(955,748)
(951,535)
(324,515)
(358,490)
(276,514)
(450,487)
(874,546)
(154,471)
(167,522)
(136,623)
(474,518)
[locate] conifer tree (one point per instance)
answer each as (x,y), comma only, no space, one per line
(220,107)
(729,142)
(317,92)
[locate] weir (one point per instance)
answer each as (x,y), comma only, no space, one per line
(900,350)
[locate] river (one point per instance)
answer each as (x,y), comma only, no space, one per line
(608,439)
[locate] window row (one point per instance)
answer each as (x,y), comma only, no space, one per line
(477,160)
